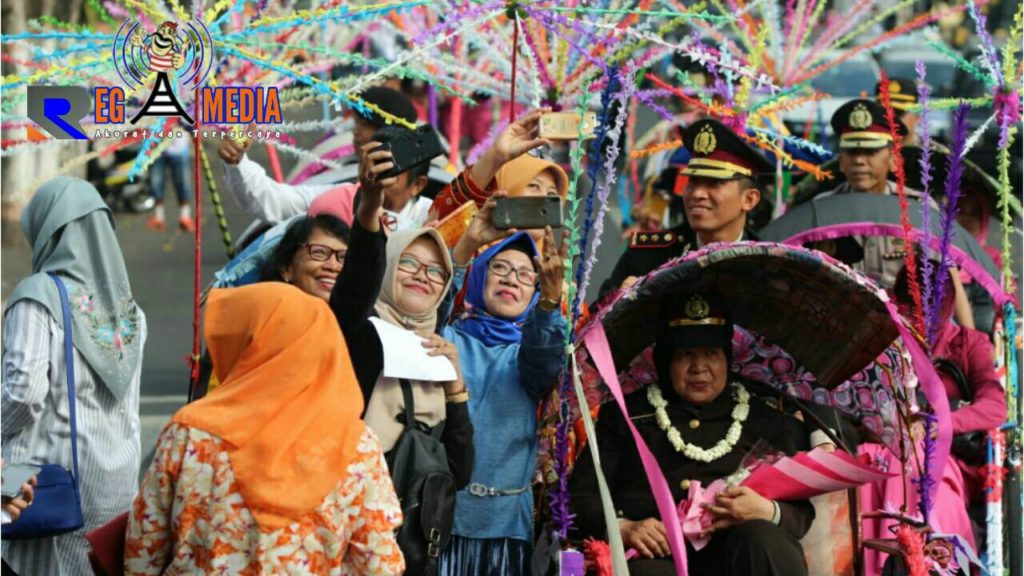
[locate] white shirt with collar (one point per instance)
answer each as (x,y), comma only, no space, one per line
(266,199)
(700,243)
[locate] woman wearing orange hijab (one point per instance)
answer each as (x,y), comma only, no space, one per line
(275,473)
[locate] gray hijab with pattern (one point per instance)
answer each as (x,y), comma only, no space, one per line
(71,232)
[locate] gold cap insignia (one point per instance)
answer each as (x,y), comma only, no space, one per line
(697,308)
(860,118)
(705,141)
(894,87)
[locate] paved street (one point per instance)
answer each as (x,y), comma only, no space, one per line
(161,270)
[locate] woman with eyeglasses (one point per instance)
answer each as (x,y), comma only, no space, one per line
(310,255)
(400,279)
(510,343)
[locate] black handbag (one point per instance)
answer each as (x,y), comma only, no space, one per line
(426,490)
(57,505)
(968,447)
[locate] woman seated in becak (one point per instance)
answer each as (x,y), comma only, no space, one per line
(699,423)
(964,360)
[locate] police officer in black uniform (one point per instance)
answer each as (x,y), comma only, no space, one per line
(722,189)
(707,423)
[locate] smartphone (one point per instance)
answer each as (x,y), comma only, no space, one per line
(14,475)
(527,213)
(566,125)
(409,148)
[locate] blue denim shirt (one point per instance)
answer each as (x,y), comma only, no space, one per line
(505,385)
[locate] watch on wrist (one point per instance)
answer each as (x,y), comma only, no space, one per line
(548,304)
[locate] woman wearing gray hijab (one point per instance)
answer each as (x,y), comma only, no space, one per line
(71,233)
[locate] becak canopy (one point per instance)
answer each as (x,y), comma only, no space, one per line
(805,324)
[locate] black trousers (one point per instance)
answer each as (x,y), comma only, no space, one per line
(754,548)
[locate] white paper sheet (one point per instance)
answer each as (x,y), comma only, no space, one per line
(405,356)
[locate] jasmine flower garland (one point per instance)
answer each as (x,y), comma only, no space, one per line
(723,447)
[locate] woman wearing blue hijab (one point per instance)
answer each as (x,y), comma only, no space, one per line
(510,345)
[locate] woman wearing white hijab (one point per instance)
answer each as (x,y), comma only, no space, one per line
(402,280)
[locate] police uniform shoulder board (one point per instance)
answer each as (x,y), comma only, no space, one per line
(654,239)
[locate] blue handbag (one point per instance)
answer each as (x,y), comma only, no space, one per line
(57,505)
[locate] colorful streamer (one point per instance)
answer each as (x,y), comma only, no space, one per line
(901,179)
(561,516)
(931,316)
(953,192)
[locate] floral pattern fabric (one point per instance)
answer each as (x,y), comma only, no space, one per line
(111,331)
(189,518)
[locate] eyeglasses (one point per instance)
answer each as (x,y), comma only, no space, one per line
(412,265)
(501,269)
(322,253)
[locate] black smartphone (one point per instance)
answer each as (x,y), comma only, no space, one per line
(408,148)
(529,212)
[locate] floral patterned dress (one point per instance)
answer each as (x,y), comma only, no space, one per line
(189,518)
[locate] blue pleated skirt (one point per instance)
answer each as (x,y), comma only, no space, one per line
(485,557)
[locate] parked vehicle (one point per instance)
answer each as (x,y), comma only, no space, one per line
(110,176)
(852,78)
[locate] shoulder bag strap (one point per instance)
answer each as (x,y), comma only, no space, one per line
(410,405)
(69,361)
(952,369)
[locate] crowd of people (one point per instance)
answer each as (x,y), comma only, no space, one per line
(288,458)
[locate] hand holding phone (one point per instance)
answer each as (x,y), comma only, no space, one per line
(566,125)
(15,476)
(524,213)
(409,148)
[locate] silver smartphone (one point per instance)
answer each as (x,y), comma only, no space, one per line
(13,476)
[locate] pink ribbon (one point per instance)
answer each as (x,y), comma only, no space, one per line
(597,343)
(691,516)
(805,475)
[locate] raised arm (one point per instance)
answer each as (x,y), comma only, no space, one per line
(256,192)
(358,285)
(359,282)
(516,139)
(477,182)
(542,351)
